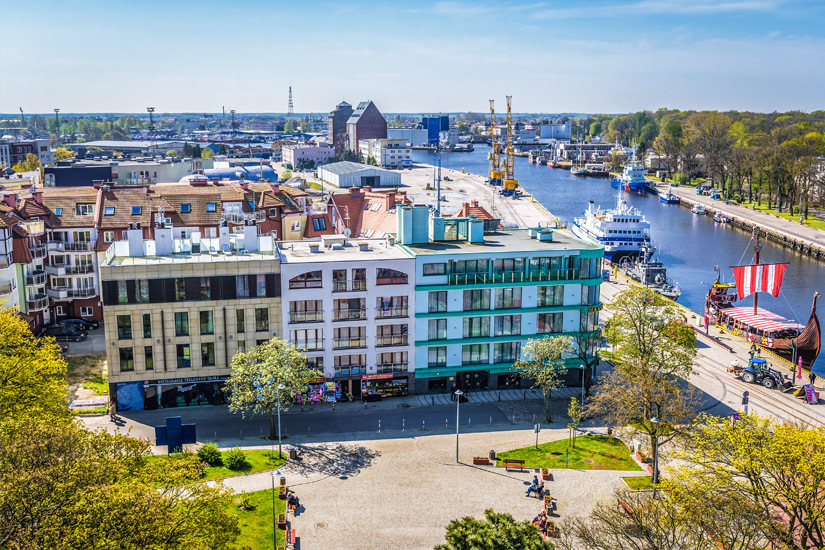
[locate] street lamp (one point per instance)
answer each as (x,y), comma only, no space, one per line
(280,387)
(274,521)
(458,394)
(655,421)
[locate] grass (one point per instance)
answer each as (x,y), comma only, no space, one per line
(639,483)
(601,452)
(315,185)
(256,524)
(96,410)
(98,383)
(812,221)
(258,462)
(83,368)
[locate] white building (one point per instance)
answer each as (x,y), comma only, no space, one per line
(388,153)
(353,174)
(449,137)
(416,137)
(8,280)
(347,303)
(562,130)
(315,154)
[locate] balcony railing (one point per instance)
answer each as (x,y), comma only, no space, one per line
(36,278)
(385,368)
(389,312)
(71,247)
(306,316)
(82,292)
(437,364)
(349,314)
(7,288)
(39,303)
(241,217)
(58,293)
(38,251)
(5,260)
(395,340)
(79,269)
(349,343)
(513,277)
(310,345)
(34,227)
(391,281)
(354,285)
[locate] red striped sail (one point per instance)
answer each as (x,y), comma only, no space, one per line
(758,278)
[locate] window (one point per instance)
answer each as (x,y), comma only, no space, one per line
(183,356)
(308,339)
(319,224)
(589,321)
(208,354)
(311,279)
(58,211)
(476,327)
(206,322)
(260,285)
(181,323)
(122,294)
(240,321)
(108,236)
(210,206)
(241,346)
(590,295)
(475,354)
(551,296)
(86,311)
(476,299)
(210,232)
(395,361)
(136,210)
(508,298)
(206,288)
(435,269)
(61,310)
(147,325)
(108,210)
(261,319)
(127,359)
(470,266)
(180,289)
(506,352)
(384,276)
(185,208)
(549,322)
(349,337)
(437,329)
(348,365)
(296,224)
(124,327)
(148,358)
(391,306)
(508,265)
(316,363)
(143,290)
(242,286)
(84,210)
(553,263)
(507,325)
(437,356)
(392,335)
(437,301)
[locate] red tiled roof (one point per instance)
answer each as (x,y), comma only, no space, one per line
(371,213)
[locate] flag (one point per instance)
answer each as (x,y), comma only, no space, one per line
(758,278)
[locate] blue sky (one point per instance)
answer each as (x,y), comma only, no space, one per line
(551,56)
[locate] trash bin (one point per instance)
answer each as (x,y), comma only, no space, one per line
(492,455)
(293,454)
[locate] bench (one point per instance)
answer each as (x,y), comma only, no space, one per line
(290,537)
(513,463)
(625,506)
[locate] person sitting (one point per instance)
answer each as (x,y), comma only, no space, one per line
(292,501)
(542,517)
(538,489)
(533,484)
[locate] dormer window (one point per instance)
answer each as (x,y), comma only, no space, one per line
(109,211)
(136,210)
(210,206)
(58,211)
(185,208)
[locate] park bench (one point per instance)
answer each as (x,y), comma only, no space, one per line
(290,537)
(625,506)
(513,463)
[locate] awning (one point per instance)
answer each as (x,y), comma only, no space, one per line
(764,320)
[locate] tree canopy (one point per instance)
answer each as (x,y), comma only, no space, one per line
(497,531)
(543,362)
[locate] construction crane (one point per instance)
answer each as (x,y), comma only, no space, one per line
(509,183)
(495,174)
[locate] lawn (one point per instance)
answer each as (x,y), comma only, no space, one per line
(812,220)
(88,371)
(256,524)
(592,452)
(258,460)
(639,483)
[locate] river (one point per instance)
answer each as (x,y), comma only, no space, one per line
(690,245)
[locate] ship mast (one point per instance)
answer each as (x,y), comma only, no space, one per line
(756,249)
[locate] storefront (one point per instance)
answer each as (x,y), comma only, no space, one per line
(475,380)
(319,390)
(175,392)
(384,385)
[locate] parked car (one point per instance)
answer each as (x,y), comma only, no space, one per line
(81,324)
(64,334)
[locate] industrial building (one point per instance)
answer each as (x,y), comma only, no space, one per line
(434,126)
(416,137)
(338,127)
(561,130)
(388,153)
(353,174)
(366,122)
(316,155)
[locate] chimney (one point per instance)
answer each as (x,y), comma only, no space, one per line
(223,236)
(10,200)
(250,237)
(214,181)
(474,203)
(367,188)
(244,185)
(134,235)
(355,191)
(390,200)
(275,188)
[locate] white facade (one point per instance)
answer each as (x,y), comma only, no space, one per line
(319,154)
(416,137)
(353,174)
(563,130)
(388,153)
(8,282)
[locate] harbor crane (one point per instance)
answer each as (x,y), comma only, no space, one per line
(509,183)
(495,175)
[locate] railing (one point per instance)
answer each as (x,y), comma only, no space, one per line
(61,246)
(79,269)
(82,292)
(40,302)
(56,269)
(58,293)
(394,340)
(38,251)
(354,285)
(306,316)
(310,345)
(349,314)
(36,278)
(385,368)
(391,280)
(513,277)
(350,370)
(34,227)
(7,288)
(388,312)
(349,343)
(437,364)
(241,217)
(5,261)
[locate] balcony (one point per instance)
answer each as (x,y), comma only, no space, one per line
(513,277)
(36,278)
(58,293)
(391,281)
(349,314)
(306,316)
(349,343)
(310,345)
(7,288)
(82,292)
(391,312)
(38,303)
(34,228)
(58,270)
(241,217)
(5,260)
(354,285)
(395,340)
(38,251)
(59,246)
(385,368)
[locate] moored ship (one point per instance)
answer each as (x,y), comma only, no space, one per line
(632,178)
(651,273)
(622,231)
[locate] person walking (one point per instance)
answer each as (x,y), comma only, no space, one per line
(812,378)
(112,411)
(452,392)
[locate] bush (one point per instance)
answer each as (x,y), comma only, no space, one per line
(235,459)
(210,454)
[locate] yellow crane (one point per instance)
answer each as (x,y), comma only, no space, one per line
(509,183)
(495,175)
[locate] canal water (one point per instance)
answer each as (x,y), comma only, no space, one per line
(690,245)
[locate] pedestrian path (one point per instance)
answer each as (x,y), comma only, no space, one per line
(488,396)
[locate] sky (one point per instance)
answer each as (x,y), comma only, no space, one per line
(593,56)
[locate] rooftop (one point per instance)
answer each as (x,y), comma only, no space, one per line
(339,248)
(505,241)
(347,167)
(118,254)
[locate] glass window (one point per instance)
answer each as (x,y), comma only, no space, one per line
(437,301)
(240,320)
(143,290)
(589,321)
(242,286)
(348,365)
(476,299)
(241,346)
(124,327)
(391,335)
(180,289)
(506,352)
(260,285)
(108,236)
(508,264)
(339,280)
(475,354)
(147,325)
(208,354)
(470,266)
(185,208)
(148,358)
(590,295)
(549,322)
(437,329)
(58,211)
(319,224)
(508,298)
(181,323)
(551,295)
(308,339)
(311,279)
(437,356)
(210,206)
(435,269)
(349,337)
(476,327)
(384,276)
(127,359)
(206,288)
(316,363)
(122,295)
(261,319)
(183,356)
(108,210)
(507,325)
(206,322)
(136,210)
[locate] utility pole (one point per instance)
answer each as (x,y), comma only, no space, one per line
(232,124)
(290,111)
(57,120)
(151,130)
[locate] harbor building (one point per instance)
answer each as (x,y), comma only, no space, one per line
(353,174)
(338,127)
(480,296)
(365,122)
(316,155)
(347,304)
(176,310)
(416,137)
(388,153)
(561,130)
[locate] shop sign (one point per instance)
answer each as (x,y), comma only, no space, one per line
(596,308)
(376,376)
(319,380)
(194,379)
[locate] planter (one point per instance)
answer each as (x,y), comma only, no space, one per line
(282,492)
(649,469)
(481,461)
(282,521)
(545,474)
(641,458)
(283,482)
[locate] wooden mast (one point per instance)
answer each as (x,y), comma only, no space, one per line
(756,262)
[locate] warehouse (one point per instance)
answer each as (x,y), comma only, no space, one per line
(353,174)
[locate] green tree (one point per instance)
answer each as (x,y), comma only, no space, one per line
(497,531)
(207,153)
(616,160)
(257,374)
(171,153)
(574,413)
(29,164)
(543,362)
(62,154)
(116,134)
(371,161)
(286,174)
(289,127)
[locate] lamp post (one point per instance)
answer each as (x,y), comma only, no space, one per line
(274,519)
(458,394)
(280,387)
(655,421)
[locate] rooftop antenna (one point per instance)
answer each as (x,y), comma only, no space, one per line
(151,110)
(232,124)
(438,185)
(57,120)
(290,112)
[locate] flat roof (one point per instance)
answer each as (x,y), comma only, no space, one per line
(346,167)
(377,249)
(512,241)
(184,258)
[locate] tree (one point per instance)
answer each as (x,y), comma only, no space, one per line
(669,144)
(207,153)
(289,127)
(574,412)
(616,161)
(544,363)
(286,174)
(32,372)
(29,164)
(62,153)
(371,161)
(255,377)
(171,153)
(497,531)
(116,134)
(585,350)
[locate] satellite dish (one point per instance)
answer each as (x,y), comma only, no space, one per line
(347,232)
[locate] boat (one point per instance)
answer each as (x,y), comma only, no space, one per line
(669,197)
(578,169)
(622,231)
(698,209)
(720,218)
(651,273)
(596,169)
(632,178)
(799,344)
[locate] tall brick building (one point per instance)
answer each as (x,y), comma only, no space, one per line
(338,126)
(366,122)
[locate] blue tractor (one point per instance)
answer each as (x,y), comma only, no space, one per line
(758,372)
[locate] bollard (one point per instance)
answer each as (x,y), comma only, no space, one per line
(422,425)
(469,421)
(379,425)
(403,422)
(445,423)
(491,420)
(514,418)
(365,403)
(333,405)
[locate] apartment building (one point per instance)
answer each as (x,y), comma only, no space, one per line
(176,310)
(8,276)
(479,297)
(309,156)
(388,153)
(347,304)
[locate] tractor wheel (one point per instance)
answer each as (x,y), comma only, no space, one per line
(769,382)
(748,377)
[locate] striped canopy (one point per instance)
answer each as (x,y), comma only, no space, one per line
(763,320)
